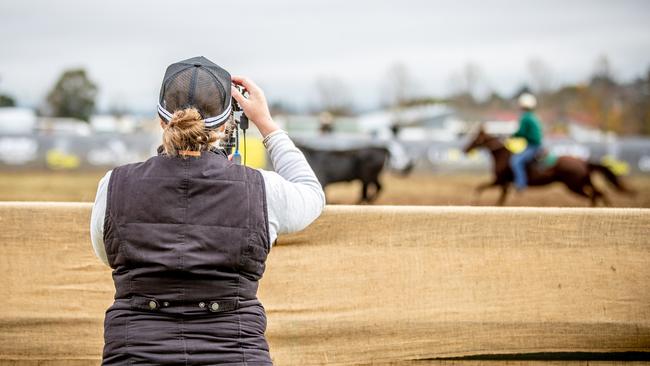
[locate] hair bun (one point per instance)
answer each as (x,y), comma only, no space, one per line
(186,116)
(186,131)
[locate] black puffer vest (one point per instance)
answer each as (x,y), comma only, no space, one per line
(187,239)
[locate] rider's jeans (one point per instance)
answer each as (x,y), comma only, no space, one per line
(518,165)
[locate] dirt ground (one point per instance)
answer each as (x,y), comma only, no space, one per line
(417,189)
(49,186)
(460,190)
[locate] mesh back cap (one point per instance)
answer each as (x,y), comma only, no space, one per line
(200,83)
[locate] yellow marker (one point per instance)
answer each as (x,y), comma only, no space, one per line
(57,159)
(618,167)
(473,154)
(515,144)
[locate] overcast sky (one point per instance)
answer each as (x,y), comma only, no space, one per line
(287,45)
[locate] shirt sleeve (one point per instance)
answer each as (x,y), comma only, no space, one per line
(97,219)
(521,131)
(294,196)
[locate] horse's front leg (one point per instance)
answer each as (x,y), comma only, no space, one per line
(480,188)
(504,194)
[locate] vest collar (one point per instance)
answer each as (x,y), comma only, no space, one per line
(213,149)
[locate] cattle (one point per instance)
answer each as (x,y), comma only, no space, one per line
(364,164)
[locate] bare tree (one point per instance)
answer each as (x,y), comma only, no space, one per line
(603,69)
(118,107)
(399,88)
(465,83)
(472,76)
(334,96)
(455,83)
(604,88)
(541,75)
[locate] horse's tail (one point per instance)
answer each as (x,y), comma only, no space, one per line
(611,177)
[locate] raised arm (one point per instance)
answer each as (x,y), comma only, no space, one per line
(295,198)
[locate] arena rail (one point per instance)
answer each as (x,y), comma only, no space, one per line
(370,285)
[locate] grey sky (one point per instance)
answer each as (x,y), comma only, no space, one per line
(287,45)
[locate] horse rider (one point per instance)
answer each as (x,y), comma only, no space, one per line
(530,129)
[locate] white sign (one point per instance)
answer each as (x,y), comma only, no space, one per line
(18,150)
(644,163)
(115,152)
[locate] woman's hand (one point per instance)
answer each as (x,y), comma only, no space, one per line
(255,106)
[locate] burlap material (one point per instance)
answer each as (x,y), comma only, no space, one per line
(364,285)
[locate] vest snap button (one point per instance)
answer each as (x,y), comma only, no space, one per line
(202,305)
(166,303)
(214,306)
(153,304)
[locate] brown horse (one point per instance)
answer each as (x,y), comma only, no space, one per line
(574,173)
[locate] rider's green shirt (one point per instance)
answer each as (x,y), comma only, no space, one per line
(530,129)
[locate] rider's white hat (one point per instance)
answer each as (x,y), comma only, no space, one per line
(528,101)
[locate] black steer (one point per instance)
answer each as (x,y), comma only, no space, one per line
(364,164)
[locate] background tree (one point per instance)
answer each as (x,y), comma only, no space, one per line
(541,76)
(73,95)
(603,99)
(7,101)
(400,87)
(118,107)
(472,75)
(638,107)
(334,96)
(469,86)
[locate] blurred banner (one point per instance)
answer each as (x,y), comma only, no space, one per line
(100,152)
(68,152)
(60,152)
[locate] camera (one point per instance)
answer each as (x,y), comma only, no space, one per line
(235,105)
(241,122)
(241,119)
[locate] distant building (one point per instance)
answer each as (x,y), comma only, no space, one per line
(584,133)
(15,120)
(435,122)
(63,126)
(106,123)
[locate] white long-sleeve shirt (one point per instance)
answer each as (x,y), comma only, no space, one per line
(294,196)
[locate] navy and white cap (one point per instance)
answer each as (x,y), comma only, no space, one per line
(200,83)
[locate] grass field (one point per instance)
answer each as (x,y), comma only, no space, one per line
(418,189)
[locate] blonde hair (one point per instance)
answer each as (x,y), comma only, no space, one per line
(186,131)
